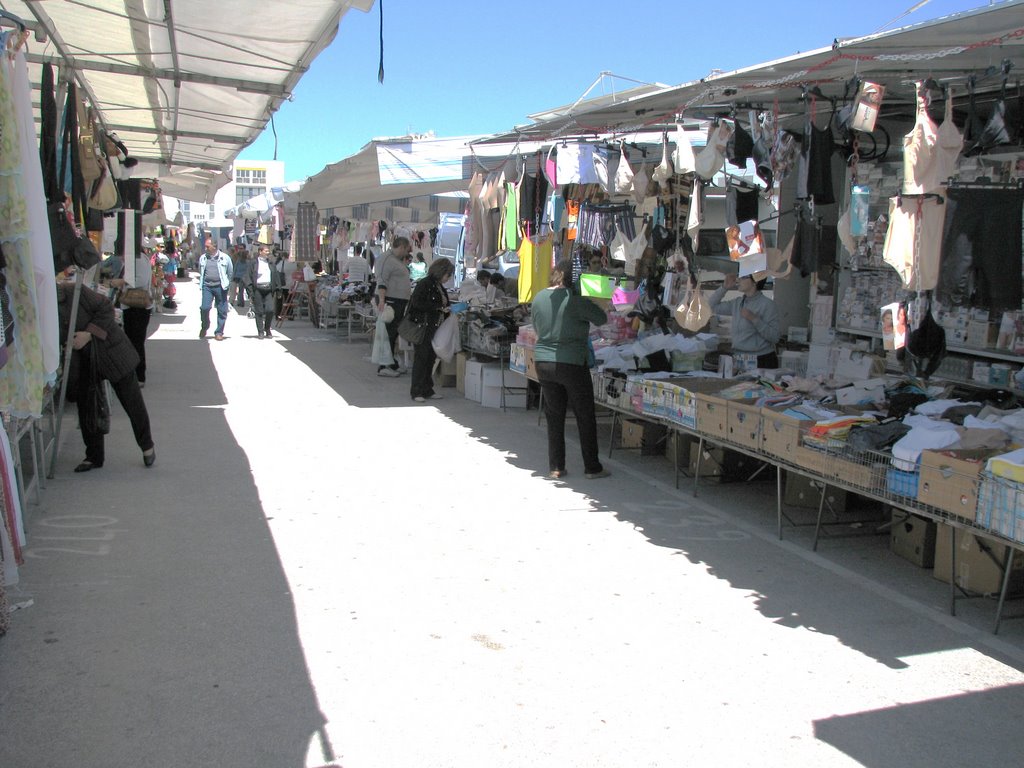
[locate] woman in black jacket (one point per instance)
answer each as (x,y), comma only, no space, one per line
(97,333)
(428,306)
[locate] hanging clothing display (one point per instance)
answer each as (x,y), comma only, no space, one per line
(981,253)
(306,234)
(509,238)
(535,258)
(814,177)
(533,190)
(23,379)
(740,205)
(814,244)
(598,223)
(38,223)
(916,262)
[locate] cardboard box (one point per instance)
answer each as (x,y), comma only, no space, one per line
(949,480)
(645,435)
(678,448)
(531,365)
(474,382)
(712,415)
(913,538)
(978,562)
(744,423)
(493,376)
(780,433)
(490,397)
(809,459)
(460,372)
(803,491)
(728,466)
(869,477)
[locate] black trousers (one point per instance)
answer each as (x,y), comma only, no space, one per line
(981,249)
(564,384)
(399,305)
(136,326)
(263,308)
(422,384)
(130,396)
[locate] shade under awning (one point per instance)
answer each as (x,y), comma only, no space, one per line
(186,84)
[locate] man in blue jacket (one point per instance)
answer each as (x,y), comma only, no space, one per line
(215,273)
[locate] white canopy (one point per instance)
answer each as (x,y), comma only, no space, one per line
(407,172)
(185,84)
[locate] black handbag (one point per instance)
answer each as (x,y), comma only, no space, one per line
(411,331)
(97,409)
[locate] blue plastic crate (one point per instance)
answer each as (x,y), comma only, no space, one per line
(901,483)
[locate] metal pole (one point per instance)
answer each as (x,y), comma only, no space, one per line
(68,349)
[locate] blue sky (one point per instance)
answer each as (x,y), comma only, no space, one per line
(480,66)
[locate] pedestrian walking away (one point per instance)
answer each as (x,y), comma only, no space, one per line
(215,274)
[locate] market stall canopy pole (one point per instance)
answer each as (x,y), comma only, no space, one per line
(186,84)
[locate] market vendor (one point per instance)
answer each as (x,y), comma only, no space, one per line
(755,318)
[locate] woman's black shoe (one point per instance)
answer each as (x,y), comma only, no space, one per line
(149,459)
(86,465)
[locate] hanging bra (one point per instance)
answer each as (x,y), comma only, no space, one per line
(711,159)
(741,146)
(948,145)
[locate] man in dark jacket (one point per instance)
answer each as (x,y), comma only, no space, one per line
(98,337)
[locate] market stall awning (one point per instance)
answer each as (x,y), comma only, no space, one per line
(406,172)
(949,50)
(185,84)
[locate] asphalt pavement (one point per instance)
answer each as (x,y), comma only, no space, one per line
(319,572)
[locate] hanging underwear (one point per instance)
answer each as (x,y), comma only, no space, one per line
(920,270)
(815,179)
(740,205)
(981,248)
(598,223)
(740,147)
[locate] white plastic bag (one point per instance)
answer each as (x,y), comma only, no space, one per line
(446,339)
(694,312)
(381,352)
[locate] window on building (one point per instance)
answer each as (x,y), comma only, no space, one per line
(248,176)
(186,209)
(213,212)
(243,193)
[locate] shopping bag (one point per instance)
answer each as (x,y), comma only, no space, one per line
(381,352)
(446,339)
(411,331)
(596,286)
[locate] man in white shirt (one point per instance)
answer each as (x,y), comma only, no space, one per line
(394,287)
(357,267)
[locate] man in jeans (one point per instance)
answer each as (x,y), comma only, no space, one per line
(394,286)
(215,271)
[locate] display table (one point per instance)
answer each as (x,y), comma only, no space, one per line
(868,474)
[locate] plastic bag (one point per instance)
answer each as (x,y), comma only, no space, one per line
(446,339)
(381,352)
(664,170)
(623,174)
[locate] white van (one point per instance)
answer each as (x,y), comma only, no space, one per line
(450,243)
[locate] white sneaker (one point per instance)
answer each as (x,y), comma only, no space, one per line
(402,369)
(419,399)
(389,372)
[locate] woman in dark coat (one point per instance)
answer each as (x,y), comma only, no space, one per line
(97,333)
(428,306)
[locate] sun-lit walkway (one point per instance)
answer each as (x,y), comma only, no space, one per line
(319,572)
